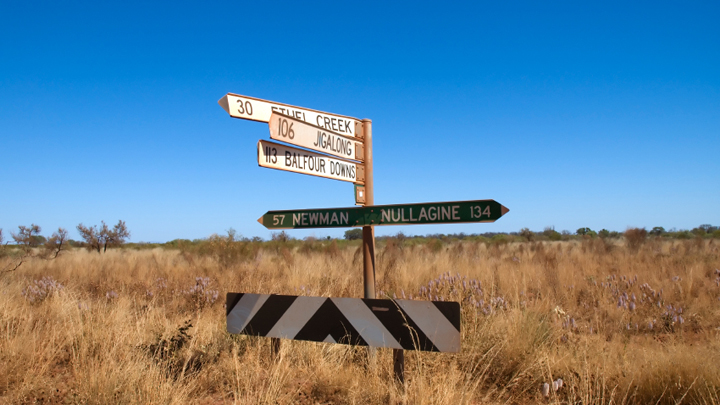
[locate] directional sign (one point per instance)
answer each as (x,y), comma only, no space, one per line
(255,109)
(398,324)
(297,132)
(276,156)
(453,212)
(315,218)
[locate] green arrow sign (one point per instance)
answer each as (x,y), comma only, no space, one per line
(313,218)
(453,212)
(435,213)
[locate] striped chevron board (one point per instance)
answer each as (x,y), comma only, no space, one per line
(398,324)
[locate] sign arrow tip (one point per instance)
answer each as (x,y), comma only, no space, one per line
(503,210)
(224,104)
(260,221)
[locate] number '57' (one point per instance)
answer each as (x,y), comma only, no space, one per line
(278,219)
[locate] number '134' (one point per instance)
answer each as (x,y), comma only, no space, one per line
(476,211)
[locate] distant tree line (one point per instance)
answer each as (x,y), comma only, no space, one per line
(99,238)
(550,234)
(702,231)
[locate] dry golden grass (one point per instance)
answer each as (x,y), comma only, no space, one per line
(532,313)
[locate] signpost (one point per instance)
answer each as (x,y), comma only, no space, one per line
(276,156)
(452,212)
(297,132)
(387,322)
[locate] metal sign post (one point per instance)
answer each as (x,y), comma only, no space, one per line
(368,231)
(342,150)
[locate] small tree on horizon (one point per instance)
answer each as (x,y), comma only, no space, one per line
(583,231)
(527,234)
(28,236)
(657,231)
(552,234)
(280,236)
(103,237)
(353,234)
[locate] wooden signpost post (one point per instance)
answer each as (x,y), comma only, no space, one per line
(340,147)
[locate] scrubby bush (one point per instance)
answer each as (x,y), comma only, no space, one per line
(552,234)
(683,234)
(527,234)
(227,250)
(42,289)
(635,237)
(201,294)
(499,239)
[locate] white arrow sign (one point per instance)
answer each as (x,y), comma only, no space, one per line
(255,109)
(287,129)
(276,156)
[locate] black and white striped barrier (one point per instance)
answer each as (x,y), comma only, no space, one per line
(398,324)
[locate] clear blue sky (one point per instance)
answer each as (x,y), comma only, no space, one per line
(605,115)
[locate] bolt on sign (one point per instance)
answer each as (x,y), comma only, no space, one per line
(398,324)
(359,194)
(453,212)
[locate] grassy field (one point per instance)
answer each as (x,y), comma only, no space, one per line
(618,322)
